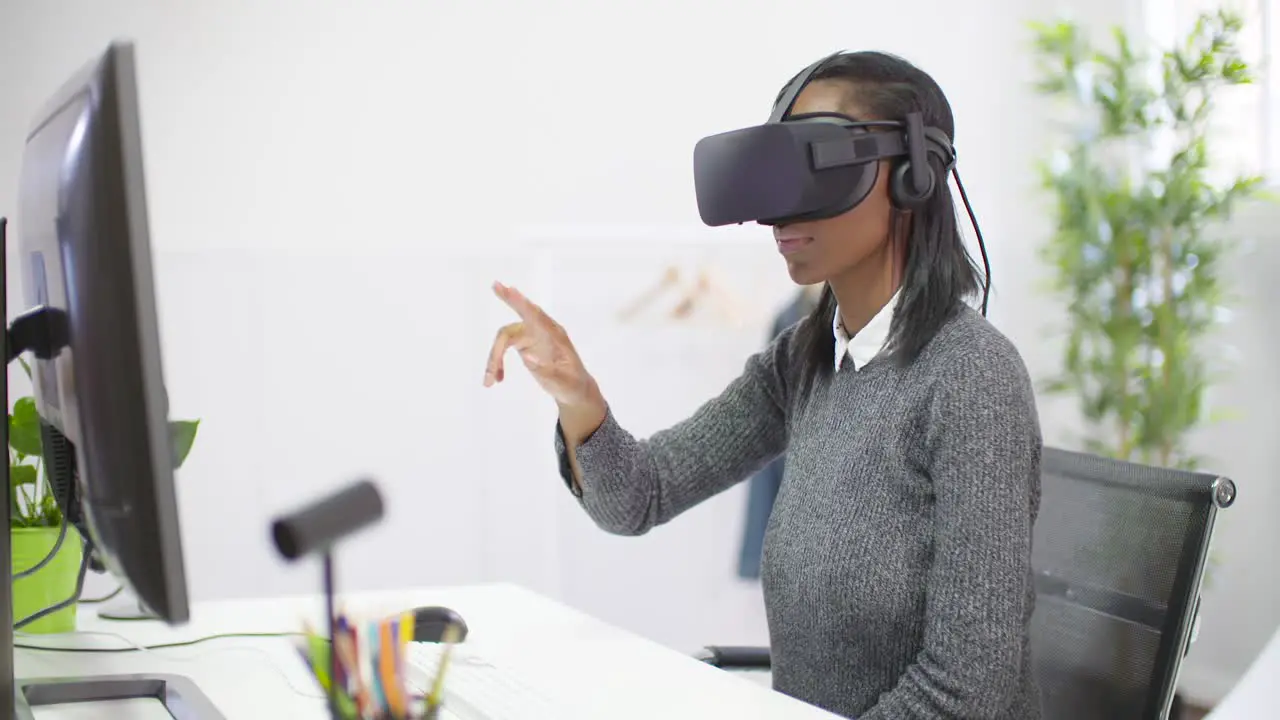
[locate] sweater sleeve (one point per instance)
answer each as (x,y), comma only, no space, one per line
(630,485)
(984,443)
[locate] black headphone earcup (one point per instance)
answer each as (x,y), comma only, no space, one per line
(902,186)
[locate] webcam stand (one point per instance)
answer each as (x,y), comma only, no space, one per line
(314,531)
(43,332)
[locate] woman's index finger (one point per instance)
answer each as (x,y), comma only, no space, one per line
(523,306)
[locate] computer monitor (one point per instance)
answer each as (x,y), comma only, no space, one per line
(84,252)
(90,320)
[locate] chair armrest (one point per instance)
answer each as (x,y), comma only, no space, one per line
(736,658)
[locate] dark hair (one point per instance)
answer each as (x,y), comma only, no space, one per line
(939,273)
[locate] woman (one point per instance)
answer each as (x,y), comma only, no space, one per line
(896,567)
(762,488)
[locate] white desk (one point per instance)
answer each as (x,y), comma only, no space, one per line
(614,674)
(1255,693)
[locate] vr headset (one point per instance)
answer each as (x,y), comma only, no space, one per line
(815,166)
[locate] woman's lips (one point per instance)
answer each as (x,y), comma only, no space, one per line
(791,244)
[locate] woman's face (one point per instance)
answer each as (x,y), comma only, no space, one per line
(820,250)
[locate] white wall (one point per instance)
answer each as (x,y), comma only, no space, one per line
(1241,606)
(334,185)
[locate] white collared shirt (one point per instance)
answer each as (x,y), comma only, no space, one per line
(868,342)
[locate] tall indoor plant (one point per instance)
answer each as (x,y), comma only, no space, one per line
(36,522)
(1138,247)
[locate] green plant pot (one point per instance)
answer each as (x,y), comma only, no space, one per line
(51,584)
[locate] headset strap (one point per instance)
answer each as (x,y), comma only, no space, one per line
(857,149)
(788,100)
(918,135)
(939,140)
(917,153)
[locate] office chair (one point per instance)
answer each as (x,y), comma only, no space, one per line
(1119,553)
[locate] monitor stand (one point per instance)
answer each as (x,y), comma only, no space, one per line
(178,694)
(41,331)
(126,607)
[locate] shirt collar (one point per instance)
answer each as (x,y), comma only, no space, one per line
(868,342)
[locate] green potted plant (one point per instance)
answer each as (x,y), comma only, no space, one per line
(1139,240)
(1138,246)
(35,522)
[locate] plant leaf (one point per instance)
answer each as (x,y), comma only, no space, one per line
(183,435)
(22,475)
(24,428)
(50,514)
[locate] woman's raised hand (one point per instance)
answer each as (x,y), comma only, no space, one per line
(545,349)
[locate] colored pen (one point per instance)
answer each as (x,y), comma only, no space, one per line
(405,627)
(379,692)
(315,651)
(437,688)
(318,656)
(388,664)
(347,646)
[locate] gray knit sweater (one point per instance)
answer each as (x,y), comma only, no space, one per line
(896,567)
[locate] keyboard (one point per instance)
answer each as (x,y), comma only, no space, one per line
(476,689)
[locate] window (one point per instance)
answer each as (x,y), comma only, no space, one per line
(1269,66)
(1247,120)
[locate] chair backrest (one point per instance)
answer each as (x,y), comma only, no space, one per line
(1119,553)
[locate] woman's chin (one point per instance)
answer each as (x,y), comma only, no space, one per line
(803,274)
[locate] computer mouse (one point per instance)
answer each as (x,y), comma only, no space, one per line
(430,622)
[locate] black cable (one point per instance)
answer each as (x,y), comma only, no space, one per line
(69,602)
(57,545)
(93,601)
(161,646)
(982,246)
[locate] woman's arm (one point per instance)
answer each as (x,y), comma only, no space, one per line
(579,421)
(628,485)
(985,468)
